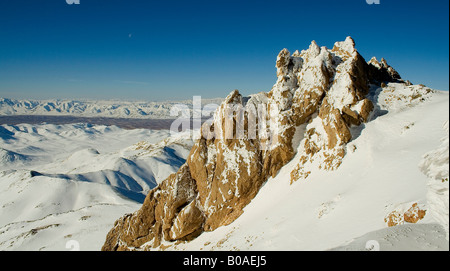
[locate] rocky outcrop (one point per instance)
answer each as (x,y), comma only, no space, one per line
(381,72)
(251,139)
(171,201)
(344,103)
(414,214)
(227,164)
(223,172)
(405,213)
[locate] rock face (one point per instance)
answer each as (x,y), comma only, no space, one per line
(380,71)
(251,139)
(343,86)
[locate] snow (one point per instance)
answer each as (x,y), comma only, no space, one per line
(339,94)
(435,165)
(397,97)
(348,45)
(67,183)
(403,238)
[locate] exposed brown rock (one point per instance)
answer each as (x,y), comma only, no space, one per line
(350,116)
(334,125)
(188,221)
(283,60)
(399,216)
(358,113)
(365,110)
(154,221)
(414,214)
(393,219)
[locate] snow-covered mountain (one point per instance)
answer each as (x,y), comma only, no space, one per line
(112,109)
(349,155)
(64,182)
(359,161)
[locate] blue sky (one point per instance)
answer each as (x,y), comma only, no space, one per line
(165,50)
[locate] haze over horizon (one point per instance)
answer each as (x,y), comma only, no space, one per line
(149,50)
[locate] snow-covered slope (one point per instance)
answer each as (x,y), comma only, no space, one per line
(70,182)
(114,109)
(435,166)
(345,208)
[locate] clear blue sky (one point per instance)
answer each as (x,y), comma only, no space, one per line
(162,50)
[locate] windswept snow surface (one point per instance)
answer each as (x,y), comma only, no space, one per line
(344,209)
(436,166)
(62,183)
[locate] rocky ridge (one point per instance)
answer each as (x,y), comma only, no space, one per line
(319,95)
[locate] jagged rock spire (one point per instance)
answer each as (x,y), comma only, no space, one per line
(380,71)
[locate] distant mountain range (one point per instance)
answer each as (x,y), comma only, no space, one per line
(111,109)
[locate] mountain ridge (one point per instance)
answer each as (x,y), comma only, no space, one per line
(321,92)
(93,108)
